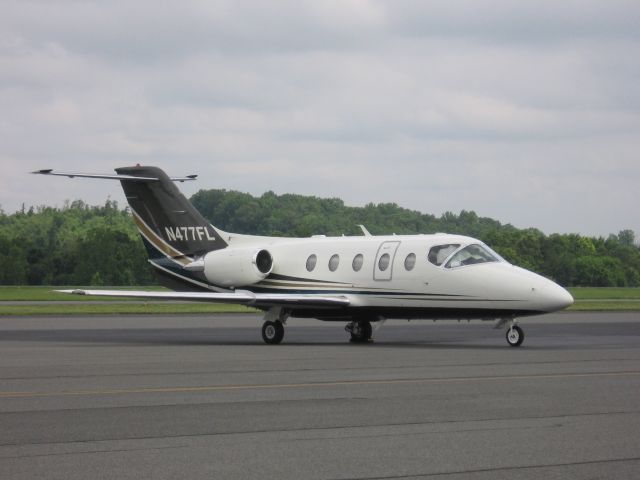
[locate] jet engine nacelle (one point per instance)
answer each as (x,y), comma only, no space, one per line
(237,267)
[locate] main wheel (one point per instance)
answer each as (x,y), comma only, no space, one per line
(361,331)
(272,332)
(515,336)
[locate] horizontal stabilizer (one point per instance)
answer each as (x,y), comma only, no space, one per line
(242,297)
(49,171)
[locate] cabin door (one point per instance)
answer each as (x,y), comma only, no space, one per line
(383,267)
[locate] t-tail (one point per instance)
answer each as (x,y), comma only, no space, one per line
(174,233)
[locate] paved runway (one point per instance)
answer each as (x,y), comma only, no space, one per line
(197,397)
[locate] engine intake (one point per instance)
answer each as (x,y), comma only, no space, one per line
(237,267)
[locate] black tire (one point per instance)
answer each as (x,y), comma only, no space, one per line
(515,336)
(361,331)
(272,332)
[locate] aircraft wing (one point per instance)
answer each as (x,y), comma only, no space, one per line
(242,297)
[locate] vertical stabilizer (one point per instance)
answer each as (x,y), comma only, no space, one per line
(169,224)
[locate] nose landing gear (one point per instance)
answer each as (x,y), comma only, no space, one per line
(515,336)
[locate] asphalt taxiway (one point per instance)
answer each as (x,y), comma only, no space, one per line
(202,397)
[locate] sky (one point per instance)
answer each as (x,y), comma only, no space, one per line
(527,112)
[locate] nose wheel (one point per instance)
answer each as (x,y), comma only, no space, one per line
(515,336)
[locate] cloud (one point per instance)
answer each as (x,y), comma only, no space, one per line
(528,112)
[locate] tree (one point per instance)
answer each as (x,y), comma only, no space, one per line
(599,272)
(627,238)
(81,244)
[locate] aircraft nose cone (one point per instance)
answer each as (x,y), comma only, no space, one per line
(556,297)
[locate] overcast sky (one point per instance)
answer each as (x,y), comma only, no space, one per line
(524,111)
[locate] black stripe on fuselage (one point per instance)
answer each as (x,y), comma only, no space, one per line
(472,299)
(404,313)
(273,286)
(279,276)
(359,291)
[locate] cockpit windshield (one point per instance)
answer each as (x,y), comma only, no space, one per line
(471,255)
(439,253)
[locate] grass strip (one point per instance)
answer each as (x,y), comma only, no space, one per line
(122,309)
(47,293)
(604,293)
(587,299)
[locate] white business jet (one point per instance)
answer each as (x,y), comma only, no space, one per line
(359,280)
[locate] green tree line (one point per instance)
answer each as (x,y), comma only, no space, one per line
(80,244)
(74,245)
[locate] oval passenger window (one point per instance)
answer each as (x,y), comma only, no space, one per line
(410,261)
(383,263)
(358,260)
(311,262)
(333,262)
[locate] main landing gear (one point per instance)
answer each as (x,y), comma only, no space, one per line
(273,326)
(360,331)
(272,332)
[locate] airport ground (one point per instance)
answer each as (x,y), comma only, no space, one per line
(198,397)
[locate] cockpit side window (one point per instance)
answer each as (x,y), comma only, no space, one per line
(439,253)
(471,255)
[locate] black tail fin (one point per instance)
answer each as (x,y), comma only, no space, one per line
(168,223)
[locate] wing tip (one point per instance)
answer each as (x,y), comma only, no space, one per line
(75,291)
